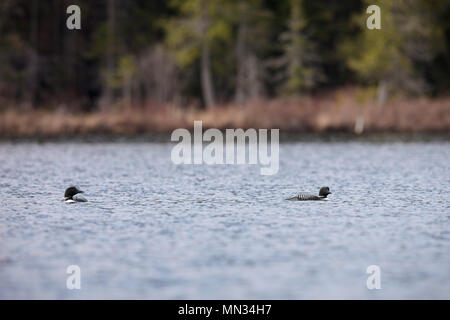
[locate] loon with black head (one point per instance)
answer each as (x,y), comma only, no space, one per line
(323,193)
(71,195)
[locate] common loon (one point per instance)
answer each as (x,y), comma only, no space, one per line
(323,193)
(71,195)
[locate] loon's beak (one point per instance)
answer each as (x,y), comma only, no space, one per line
(80,191)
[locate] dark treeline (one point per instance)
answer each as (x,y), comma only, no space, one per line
(209,52)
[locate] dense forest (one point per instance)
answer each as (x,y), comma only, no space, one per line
(205,53)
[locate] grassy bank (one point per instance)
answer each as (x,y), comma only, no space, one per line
(331,112)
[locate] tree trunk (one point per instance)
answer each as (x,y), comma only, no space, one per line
(33,57)
(108,95)
(240,95)
(127,90)
(206,76)
(382,92)
(249,69)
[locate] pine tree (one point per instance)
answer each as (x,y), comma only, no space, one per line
(193,34)
(388,57)
(300,62)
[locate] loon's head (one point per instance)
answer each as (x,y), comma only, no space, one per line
(70,192)
(324,192)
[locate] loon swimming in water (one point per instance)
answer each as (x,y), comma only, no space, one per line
(323,193)
(71,195)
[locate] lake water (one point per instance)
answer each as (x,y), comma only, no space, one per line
(155,230)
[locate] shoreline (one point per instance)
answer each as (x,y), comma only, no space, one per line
(285,137)
(326,115)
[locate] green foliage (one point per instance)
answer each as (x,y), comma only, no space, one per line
(253,48)
(393,53)
(198,20)
(300,59)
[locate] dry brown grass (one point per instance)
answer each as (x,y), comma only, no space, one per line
(336,111)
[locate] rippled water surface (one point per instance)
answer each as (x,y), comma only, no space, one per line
(152,229)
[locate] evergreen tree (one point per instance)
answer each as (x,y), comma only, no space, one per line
(192,35)
(300,61)
(388,57)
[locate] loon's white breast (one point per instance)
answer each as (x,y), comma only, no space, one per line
(79,198)
(76,198)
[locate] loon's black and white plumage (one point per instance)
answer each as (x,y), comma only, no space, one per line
(72,195)
(323,193)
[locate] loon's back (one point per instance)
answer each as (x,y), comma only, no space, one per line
(305,197)
(323,193)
